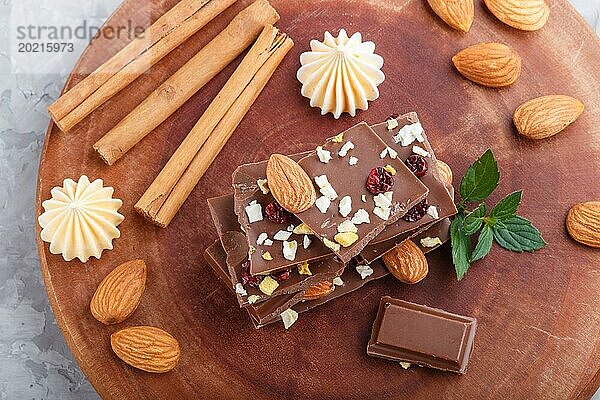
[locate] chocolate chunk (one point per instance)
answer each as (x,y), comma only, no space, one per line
(235,245)
(422,335)
(338,180)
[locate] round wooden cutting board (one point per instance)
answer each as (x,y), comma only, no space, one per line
(539,314)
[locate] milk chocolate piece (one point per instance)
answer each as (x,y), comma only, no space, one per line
(438,196)
(422,335)
(350,180)
(235,245)
(246,188)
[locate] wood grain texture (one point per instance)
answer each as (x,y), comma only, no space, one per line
(539,316)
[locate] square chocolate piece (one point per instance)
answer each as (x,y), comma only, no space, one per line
(422,335)
(363,187)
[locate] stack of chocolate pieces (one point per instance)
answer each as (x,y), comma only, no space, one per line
(376,187)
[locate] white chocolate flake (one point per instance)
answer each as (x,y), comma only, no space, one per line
(254,212)
(352,160)
(239,289)
(430,242)
(324,155)
(364,271)
(409,133)
(323,204)
(392,123)
(289,250)
(289,317)
(346,148)
(420,151)
(260,240)
(347,226)
(384,214)
(361,216)
(432,211)
(337,281)
(282,235)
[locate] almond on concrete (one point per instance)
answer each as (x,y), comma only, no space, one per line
(147,348)
(583,223)
(119,293)
(489,64)
(458,14)
(289,184)
(546,116)
(527,15)
(319,290)
(445,172)
(407,262)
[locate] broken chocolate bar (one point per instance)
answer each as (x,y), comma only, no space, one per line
(235,245)
(417,334)
(363,187)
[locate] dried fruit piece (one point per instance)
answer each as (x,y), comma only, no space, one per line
(445,172)
(489,64)
(417,212)
(119,293)
(289,184)
(346,239)
(247,279)
(527,15)
(277,214)
(147,348)
(407,262)
(319,290)
(417,165)
(458,14)
(379,181)
(546,116)
(281,275)
(583,223)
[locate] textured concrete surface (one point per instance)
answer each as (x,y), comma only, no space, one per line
(35,362)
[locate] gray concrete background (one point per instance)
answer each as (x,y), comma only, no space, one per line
(35,362)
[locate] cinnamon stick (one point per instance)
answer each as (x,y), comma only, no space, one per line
(192,76)
(171,188)
(158,40)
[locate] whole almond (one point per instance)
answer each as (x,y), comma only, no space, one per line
(583,223)
(527,15)
(445,172)
(458,14)
(147,348)
(546,116)
(489,64)
(119,293)
(319,290)
(407,262)
(289,184)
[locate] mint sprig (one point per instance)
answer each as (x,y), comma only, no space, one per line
(502,225)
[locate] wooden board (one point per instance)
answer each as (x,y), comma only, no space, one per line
(539,315)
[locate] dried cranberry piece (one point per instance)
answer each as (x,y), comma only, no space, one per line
(417,165)
(281,275)
(417,212)
(247,279)
(277,214)
(379,181)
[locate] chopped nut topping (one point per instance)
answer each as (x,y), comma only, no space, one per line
(268,285)
(303,229)
(345,206)
(404,364)
(353,160)
(303,269)
(289,250)
(390,169)
(339,138)
(282,235)
(263,186)
(325,187)
(254,212)
(347,226)
(323,204)
(306,242)
(324,155)
(430,242)
(433,212)
(364,271)
(267,256)
(289,317)
(410,133)
(239,289)
(420,151)
(253,298)
(345,149)
(346,239)
(337,281)
(392,123)
(331,244)
(361,217)
(261,238)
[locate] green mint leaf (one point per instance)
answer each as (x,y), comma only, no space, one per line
(481,178)
(518,234)
(484,244)
(474,219)
(461,246)
(507,207)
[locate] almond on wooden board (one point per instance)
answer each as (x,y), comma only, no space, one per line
(147,348)
(458,14)
(445,172)
(319,290)
(546,116)
(290,184)
(407,262)
(119,293)
(527,15)
(583,223)
(489,64)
